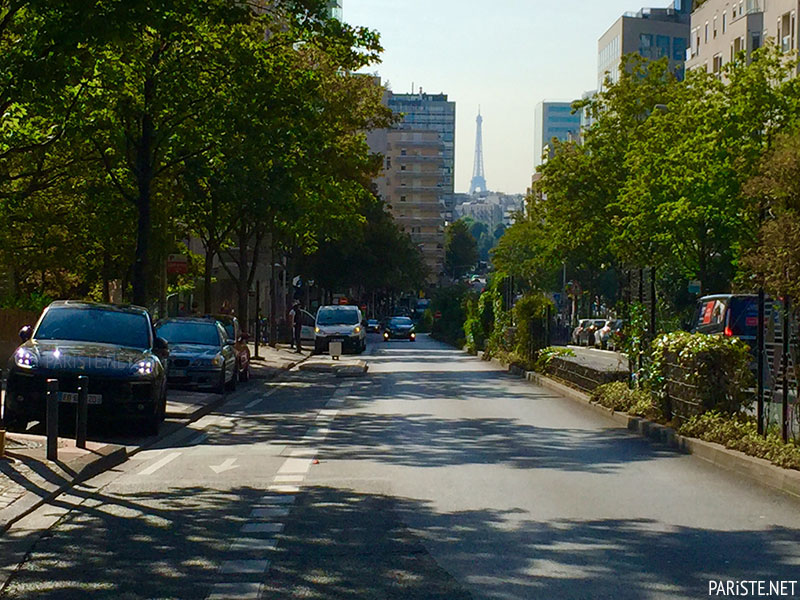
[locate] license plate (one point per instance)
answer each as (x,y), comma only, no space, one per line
(72,398)
(177,372)
(340,340)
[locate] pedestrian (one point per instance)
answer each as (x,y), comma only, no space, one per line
(296,325)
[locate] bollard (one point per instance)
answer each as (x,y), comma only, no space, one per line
(82,412)
(2,443)
(52,419)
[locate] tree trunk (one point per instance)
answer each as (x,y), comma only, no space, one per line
(210,253)
(144,180)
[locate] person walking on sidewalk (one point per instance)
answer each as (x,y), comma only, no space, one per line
(296,324)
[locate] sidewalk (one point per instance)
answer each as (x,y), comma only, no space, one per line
(28,479)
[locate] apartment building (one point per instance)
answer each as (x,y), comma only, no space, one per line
(720,29)
(652,33)
(412,187)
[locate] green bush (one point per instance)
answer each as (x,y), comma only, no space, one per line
(473,328)
(718,367)
(740,432)
(529,308)
(425,324)
(548,354)
(619,397)
(449,302)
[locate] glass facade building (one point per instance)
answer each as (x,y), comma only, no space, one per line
(553,120)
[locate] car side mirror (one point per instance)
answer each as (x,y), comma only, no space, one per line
(26,333)
(160,344)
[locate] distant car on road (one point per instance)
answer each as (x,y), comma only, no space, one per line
(201,354)
(731,315)
(373,326)
(583,325)
(339,323)
(608,336)
(114,346)
(399,328)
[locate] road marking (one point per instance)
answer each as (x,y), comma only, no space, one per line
(261,528)
(309,452)
(227,465)
(278,499)
(288,478)
(244,566)
(235,591)
(158,464)
(295,465)
(330,414)
(284,489)
(268,513)
(253,545)
(261,399)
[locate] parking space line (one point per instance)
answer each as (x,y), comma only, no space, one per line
(160,463)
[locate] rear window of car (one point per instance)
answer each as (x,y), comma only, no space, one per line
(743,319)
(337,316)
(189,332)
(97,325)
(710,317)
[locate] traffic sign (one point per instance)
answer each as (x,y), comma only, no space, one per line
(177,264)
(437,314)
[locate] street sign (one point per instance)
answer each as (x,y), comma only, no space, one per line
(177,264)
(694,287)
(437,314)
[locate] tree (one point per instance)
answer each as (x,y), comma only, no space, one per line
(461,249)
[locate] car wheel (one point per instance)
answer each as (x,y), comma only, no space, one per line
(231,385)
(220,387)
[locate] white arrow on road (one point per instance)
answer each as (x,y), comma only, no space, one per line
(227,465)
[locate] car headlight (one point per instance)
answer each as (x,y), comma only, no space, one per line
(317,330)
(357,329)
(26,359)
(218,360)
(145,367)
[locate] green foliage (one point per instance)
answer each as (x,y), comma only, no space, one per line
(717,366)
(528,310)
(449,301)
(619,397)
(546,355)
(740,432)
(635,340)
(498,341)
(33,302)
(461,249)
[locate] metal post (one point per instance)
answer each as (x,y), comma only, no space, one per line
(258,319)
(52,419)
(2,443)
(760,362)
(787,304)
(82,413)
(652,303)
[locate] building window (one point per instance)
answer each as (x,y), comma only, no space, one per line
(717,64)
(756,41)
(715,27)
(679,49)
(646,45)
(706,36)
(662,46)
(724,22)
(402,198)
(402,167)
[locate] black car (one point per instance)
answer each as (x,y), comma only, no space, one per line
(114,346)
(201,355)
(399,328)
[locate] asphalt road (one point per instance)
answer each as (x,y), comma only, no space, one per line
(436,476)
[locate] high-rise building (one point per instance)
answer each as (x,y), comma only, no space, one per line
(553,120)
(433,112)
(417,179)
(722,29)
(335,9)
(652,33)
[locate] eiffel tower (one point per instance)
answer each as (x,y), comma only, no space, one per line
(478,178)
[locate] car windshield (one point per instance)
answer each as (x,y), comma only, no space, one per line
(229,330)
(103,326)
(337,316)
(189,332)
(400,321)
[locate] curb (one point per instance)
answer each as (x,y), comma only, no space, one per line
(28,503)
(756,469)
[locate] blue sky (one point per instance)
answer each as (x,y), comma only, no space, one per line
(504,55)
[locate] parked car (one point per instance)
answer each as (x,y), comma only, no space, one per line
(732,315)
(307,330)
(586,335)
(114,346)
(583,324)
(608,335)
(234,332)
(399,328)
(373,326)
(201,354)
(339,323)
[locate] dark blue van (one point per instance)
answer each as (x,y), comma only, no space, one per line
(732,315)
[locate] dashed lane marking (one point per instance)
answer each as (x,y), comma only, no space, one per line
(262,528)
(243,590)
(269,513)
(243,566)
(295,465)
(160,463)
